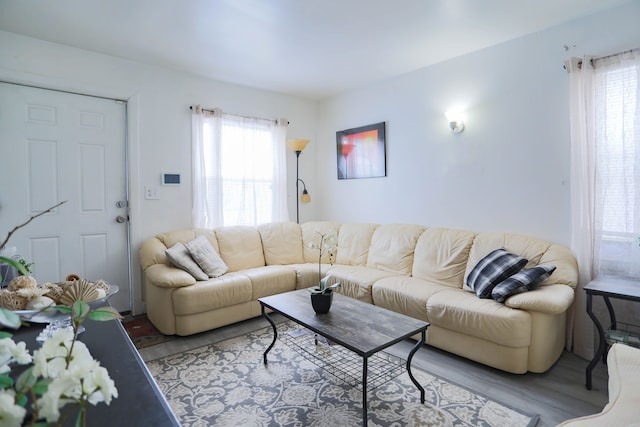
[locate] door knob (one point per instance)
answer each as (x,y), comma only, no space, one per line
(121,219)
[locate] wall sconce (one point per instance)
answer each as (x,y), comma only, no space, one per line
(455,121)
(297,145)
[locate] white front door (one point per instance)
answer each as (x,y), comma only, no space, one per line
(56,146)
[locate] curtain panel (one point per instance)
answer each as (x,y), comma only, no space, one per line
(239,169)
(604,96)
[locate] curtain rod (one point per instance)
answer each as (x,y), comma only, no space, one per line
(604,57)
(210,110)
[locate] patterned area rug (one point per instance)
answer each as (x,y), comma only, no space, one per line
(226,384)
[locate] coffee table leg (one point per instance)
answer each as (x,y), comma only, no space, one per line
(275,333)
(411,353)
(365,417)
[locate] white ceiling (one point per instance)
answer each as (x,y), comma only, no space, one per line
(308,48)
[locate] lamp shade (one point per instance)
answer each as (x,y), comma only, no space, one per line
(305,197)
(297,144)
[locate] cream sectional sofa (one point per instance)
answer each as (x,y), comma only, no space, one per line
(415,270)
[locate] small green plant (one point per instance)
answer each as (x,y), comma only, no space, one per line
(27,265)
(328,243)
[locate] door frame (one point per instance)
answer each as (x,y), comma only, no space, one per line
(131,156)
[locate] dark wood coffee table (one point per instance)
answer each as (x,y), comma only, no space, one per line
(362,328)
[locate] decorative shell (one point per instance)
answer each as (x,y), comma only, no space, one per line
(12,300)
(54,291)
(79,290)
(101,284)
(39,303)
(21,282)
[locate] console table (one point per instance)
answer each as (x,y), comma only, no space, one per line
(607,287)
(139,401)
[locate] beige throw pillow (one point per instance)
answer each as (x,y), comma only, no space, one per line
(206,256)
(179,256)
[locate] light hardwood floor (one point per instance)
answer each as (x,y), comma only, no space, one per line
(556,395)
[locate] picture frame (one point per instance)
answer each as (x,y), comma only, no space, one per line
(362,152)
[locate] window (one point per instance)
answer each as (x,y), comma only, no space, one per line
(617,124)
(239,171)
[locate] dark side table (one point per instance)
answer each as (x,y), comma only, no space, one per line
(607,287)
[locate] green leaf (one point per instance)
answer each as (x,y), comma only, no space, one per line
(104,313)
(5,381)
(26,380)
(41,387)
(15,264)
(9,318)
(80,310)
(5,334)
(22,400)
(63,309)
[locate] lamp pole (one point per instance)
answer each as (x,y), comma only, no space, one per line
(297,191)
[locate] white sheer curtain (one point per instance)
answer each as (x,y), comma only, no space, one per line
(605,177)
(239,169)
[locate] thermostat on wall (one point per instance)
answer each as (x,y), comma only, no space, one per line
(170,178)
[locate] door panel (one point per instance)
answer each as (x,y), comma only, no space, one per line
(57,146)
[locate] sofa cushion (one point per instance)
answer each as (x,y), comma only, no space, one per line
(270,280)
(523,281)
(180,257)
(353,243)
(311,235)
(531,248)
(463,312)
(356,281)
(495,267)
(240,247)
(392,248)
(281,243)
(207,258)
(406,295)
(223,291)
(441,256)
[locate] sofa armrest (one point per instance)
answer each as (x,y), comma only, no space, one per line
(552,299)
(164,276)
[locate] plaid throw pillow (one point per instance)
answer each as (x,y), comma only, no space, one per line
(493,269)
(526,280)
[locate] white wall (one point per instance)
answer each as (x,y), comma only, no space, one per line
(160,121)
(509,169)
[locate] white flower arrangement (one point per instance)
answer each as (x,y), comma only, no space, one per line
(328,243)
(62,372)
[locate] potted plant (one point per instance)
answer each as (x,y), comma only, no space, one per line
(322,295)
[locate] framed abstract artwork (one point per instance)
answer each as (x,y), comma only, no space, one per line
(362,152)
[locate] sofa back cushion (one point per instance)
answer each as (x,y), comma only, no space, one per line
(311,233)
(392,247)
(528,247)
(281,243)
(354,241)
(441,256)
(240,247)
(566,272)
(152,250)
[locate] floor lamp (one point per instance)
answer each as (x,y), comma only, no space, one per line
(297,145)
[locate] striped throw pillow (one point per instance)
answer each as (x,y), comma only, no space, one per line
(493,269)
(523,281)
